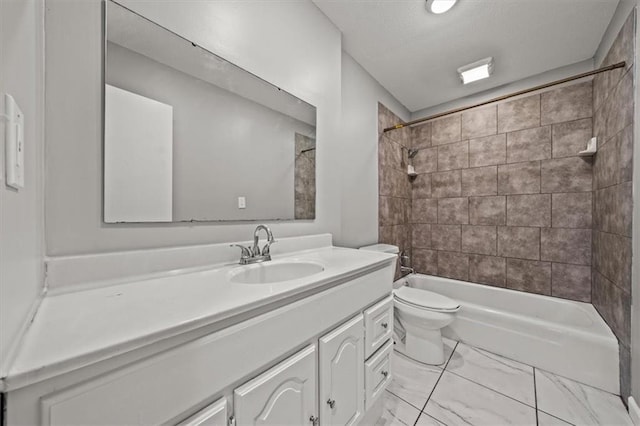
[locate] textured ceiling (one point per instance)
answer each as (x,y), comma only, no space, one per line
(414,54)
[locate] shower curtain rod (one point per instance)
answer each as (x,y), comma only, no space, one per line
(501,98)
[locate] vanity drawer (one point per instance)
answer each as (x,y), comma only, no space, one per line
(378,323)
(377,374)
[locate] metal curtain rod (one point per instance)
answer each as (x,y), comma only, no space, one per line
(501,98)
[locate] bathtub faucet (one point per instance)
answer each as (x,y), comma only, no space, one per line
(404,262)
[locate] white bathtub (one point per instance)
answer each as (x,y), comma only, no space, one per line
(561,336)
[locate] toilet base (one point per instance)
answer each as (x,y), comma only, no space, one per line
(427,348)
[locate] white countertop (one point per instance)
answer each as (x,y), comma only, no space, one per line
(75,329)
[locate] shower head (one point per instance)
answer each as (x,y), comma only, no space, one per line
(413,152)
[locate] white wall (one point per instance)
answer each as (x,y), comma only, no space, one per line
(21,218)
(359,138)
(290,44)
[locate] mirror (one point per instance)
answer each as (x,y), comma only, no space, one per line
(189,136)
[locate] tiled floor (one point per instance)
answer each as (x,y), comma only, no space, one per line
(475,387)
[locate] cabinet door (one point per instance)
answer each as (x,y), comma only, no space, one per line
(284,395)
(213,415)
(342,374)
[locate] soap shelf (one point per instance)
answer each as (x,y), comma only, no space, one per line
(592,148)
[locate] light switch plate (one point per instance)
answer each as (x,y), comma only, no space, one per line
(14,143)
(242,203)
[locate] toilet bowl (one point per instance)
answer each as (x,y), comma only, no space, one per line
(422,314)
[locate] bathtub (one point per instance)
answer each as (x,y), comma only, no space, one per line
(561,336)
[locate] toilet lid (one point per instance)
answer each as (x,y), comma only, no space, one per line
(425,299)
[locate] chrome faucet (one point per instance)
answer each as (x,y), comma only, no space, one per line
(253,254)
(404,264)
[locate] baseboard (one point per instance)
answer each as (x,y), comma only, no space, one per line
(634,411)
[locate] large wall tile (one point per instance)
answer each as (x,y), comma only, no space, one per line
(420,235)
(392,210)
(453,210)
(445,130)
(426,160)
(605,164)
(421,186)
(612,258)
(529,276)
(567,103)
(480,181)
(613,209)
(445,237)
(487,270)
(571,174)
(571,282)
(488,151)
(566,245)
(446,184)
(519,178)
(487,210)
(394,183)
(453,265)
(519,242)
(519,114)
(529,210)
(572,210)
(479,122)
(621,111)
(397,235)
(424,210)
(614,305)
(571,137)
(529,144)
(425,261)
(479,239)
(391,154)
(453,156)
(625,155)
(421,136)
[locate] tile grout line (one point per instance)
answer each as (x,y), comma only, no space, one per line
(436,385)
(535,395)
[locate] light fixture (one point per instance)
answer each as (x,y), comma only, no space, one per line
(440,6)
(476,71)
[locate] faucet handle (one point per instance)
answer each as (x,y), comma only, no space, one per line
(267,247)
(246,251)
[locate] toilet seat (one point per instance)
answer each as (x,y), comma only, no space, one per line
(424,299)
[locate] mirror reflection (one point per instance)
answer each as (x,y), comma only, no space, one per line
(189,136)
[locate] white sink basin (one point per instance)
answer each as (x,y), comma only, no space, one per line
(273,272)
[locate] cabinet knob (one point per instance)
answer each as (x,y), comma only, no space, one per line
(385,373)
(313,420)
(384,325)
(331,402)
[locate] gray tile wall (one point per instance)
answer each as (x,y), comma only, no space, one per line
(502,197)
(612,208)
(394,188)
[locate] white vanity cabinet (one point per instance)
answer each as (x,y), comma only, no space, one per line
(342,375)
(284,395)
(213,415)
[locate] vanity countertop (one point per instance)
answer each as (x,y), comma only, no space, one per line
(75,329)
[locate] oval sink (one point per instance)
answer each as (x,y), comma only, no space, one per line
(268,272)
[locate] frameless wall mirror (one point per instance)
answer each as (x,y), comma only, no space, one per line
(189,136)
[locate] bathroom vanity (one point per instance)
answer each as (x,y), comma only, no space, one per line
(222,344)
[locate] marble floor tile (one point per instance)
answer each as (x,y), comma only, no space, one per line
(503,375)
(412,380)
(545,419)
(577,403)
(427,420)
(397,412)
(458,401)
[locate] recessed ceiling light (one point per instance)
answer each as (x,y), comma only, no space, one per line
(476,71)
(440,6)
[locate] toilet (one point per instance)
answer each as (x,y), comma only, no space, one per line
(423,314)
(420,316)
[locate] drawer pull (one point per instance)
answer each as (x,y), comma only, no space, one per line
(384,325)
(331,402)
(385,373)
(313,420)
